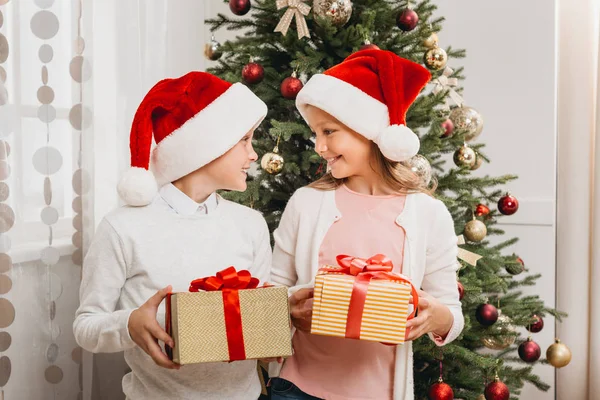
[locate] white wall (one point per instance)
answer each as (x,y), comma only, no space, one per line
(511,69)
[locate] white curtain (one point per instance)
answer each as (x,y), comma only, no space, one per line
(578,213)
(44,195)
(136,44)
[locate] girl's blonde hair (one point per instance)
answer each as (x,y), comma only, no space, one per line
(396,175)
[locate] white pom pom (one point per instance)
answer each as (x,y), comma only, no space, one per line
(137,187)
(398,143)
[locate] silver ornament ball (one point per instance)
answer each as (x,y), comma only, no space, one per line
(420,166)
(465,157)
(338,12)
(272,163)
(212,50)
(468,120)
(435,58)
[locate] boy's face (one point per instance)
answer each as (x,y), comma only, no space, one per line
(230,171)
(347,153)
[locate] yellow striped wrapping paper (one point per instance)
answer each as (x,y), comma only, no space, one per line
(385,313)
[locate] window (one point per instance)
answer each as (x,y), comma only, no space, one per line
(32,61)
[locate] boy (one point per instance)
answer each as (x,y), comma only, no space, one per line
(162,241)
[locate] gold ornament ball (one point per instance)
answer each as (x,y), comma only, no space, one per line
(431,41)
(272,163)
(338,12)
(468,120)
(465,157)
(212,50)
(475,230)
(478,162)
(420,166)
(435,58)
(558,354)
(481,397)
(502,327)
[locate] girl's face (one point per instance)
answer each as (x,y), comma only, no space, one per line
(347,153)
(230,171)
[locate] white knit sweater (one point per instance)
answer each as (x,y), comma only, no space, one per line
(137,251)
(429,258)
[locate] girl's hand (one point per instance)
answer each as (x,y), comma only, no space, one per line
(146,331)
(301,309)
(433,317)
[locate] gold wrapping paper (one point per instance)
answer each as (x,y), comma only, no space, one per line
(198,325)
(385,313)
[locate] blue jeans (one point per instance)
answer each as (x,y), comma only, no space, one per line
(286,390)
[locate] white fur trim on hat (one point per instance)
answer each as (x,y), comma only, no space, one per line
(137,187)
(208,135)
(347,103)
(398,143)
(360,112)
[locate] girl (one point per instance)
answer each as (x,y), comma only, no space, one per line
(184,232)
(368,203)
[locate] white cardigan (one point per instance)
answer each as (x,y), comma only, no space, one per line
(429,258)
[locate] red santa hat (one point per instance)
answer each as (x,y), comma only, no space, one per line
(370,92)
(193,123)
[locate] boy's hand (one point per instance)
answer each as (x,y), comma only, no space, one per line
(146,331)
(301,309)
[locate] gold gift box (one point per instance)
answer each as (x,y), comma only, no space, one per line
(198,329)
(385,312)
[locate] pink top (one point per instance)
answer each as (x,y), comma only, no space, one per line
(345,369)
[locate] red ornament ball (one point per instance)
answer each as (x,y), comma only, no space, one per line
(508,205)
(537,326)
(239,7)
(441,391)
(481,210)
(407,20)
(448,127)
(496,391)
(486,314)
(253,73)
(369,46)
(461,291)
(290,87)
(529,351)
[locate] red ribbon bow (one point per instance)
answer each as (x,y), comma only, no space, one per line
(229,282)
(377,267)
(354,265)
(229,278)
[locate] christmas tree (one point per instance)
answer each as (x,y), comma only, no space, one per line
(284,43)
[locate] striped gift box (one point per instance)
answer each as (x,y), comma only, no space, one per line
(386,307)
